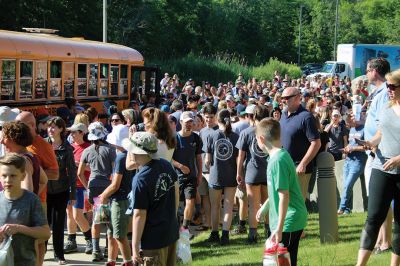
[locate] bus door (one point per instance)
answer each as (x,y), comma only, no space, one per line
(144,80)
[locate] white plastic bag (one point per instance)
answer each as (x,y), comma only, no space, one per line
(183,251)
(6,253)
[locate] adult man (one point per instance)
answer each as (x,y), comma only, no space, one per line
(299,136)
(45,153)
(186,159)
(376,71)
(165,80)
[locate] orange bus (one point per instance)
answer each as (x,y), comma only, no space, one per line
(39,69)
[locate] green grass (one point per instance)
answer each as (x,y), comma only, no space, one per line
(311,251)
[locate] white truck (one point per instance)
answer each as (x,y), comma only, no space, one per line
(352,59)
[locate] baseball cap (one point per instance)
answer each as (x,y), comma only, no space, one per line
(306,94)
(186,116)
(165,108)
(141,143)
(78,127)
(336,112)
(250,109)
(229,98)
(117,135)
(42,118)
(97,131)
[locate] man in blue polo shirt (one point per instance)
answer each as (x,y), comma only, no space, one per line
(299,136)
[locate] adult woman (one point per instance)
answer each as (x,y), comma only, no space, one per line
(100,157)
(75,214)
(276,113)
(16,137)
(384,184)
(338,135)
(60,191)
(115,119)
(221,159)
(92,113)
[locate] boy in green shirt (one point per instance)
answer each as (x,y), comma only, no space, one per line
(287,211)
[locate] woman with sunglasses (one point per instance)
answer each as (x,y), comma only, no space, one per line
(62,191)
(115,119)
(385,176)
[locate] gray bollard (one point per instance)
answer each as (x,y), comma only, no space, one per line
(326,183)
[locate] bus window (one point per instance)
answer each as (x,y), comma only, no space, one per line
(114,79)
(55,79)
(40,79)
(69,75)
(153,81)
(8,80)
(82,80)
(123,80)
(103,79)
(25,81)
(93,80)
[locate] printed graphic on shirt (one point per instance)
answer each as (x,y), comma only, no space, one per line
(256,150)
(223,149)
(163,185)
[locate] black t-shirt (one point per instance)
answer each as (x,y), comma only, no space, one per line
(224,152)
(204,135)
(126,181)
(153,190)
(187,148)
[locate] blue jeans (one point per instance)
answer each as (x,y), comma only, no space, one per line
(352,169)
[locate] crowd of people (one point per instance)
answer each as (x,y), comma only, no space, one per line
(193,155)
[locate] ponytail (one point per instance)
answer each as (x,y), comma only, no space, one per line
(224,118)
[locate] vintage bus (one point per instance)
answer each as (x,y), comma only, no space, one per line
(41,69)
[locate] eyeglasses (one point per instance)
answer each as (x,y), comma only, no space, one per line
(392,87)
(115,120)
(289,97)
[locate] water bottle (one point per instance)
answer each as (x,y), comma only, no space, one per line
(357,108)
(270,257)
(283,256)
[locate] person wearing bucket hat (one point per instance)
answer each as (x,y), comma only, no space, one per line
(154,203)
(117,195)
(100,156)
(6,115)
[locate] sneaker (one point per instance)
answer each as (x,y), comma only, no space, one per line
(382,251)
(105,253)
(130,263)
(111,263)
(252,239)
(239,230)
(89,247)
(214,237)
(224,240)
(340,212)
(70,247)
(97,256)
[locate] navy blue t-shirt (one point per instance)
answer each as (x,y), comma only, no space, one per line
(187,148)
(297,132)
(204,135)
(255,163)
(126,181)
(224,152)
(153,189)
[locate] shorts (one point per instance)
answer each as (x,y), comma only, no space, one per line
(118,227)
(187,188)
(95,192)
(216,187)
(80,198)
(162,257)
(203,187)
(257,184)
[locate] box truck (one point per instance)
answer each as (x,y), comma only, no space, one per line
(352,59)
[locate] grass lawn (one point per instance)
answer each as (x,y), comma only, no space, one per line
(311,251)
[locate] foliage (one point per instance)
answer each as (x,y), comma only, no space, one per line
(267,71)
(254,31)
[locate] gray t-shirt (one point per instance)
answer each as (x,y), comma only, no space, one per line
(27,211)
(389,147)
(100,162)
(240,126)
(204,135)
(255,163)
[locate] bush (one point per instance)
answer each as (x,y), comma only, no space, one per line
(222,68)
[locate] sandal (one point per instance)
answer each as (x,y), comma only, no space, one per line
(382,251)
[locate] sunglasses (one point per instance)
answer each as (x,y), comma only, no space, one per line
(115,120)
(288,97)
(392,87)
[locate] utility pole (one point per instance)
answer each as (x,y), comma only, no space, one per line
(299,52)
(104,21)
(336,30)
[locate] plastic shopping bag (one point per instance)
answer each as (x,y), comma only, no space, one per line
(183,251)
(101,212)
(6,253)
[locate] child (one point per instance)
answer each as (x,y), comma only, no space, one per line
(287,212)
(21,214)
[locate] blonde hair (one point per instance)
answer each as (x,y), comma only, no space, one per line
(82,118)
(393,76)
(128,113)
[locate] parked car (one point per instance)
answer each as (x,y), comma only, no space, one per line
(311,68)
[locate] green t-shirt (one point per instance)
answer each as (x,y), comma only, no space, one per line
(281,175)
